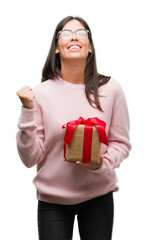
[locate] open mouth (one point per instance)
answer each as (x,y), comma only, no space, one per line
(74,46)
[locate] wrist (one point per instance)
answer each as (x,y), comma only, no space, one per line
(29,106)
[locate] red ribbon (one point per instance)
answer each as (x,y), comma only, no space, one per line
(87,143)
(99,124)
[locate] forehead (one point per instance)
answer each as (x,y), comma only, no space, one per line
(73,25)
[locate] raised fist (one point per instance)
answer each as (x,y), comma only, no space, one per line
(26,96)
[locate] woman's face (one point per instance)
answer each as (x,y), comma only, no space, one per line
(73,48)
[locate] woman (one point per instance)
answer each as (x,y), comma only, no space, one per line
(70,88)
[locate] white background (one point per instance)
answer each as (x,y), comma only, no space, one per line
(119,29)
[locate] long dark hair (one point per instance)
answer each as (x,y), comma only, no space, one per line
(93,80)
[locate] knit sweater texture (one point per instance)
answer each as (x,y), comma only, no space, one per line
(40,140)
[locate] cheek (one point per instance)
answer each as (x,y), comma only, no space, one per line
(62,44)
(87,48)
(62,49)
(86,45)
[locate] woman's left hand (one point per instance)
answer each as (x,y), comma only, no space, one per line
(90,166)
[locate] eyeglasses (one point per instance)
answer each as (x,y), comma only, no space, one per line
(67,34)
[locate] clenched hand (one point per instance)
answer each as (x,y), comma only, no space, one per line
(26,96)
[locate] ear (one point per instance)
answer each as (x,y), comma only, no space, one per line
(57,50)
(90,48)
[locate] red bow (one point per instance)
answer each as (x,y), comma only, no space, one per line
(99,124)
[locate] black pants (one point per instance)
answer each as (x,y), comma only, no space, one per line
(95,219)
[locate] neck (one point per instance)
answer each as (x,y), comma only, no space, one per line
(73,73)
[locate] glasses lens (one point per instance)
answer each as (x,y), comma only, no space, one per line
(81,33)
(66,34)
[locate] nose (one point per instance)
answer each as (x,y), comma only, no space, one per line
(74,36)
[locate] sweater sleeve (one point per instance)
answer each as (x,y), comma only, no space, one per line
(30,137)
(118,138)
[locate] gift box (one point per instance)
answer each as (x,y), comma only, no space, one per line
(83,138)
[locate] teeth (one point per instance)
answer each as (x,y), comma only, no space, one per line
(73,47)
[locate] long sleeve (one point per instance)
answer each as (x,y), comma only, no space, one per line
(30,137)
(119,144)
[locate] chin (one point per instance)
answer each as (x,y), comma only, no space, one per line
(75,56)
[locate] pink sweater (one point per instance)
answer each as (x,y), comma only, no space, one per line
(40,140)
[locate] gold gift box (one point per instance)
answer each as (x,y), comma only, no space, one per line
(74,152)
